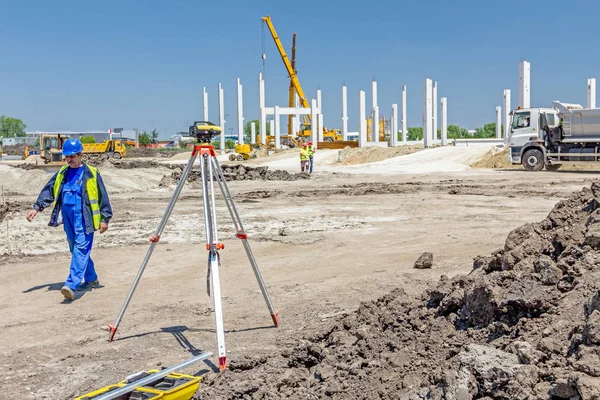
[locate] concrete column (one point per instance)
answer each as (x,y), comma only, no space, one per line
(591,93)
(362,119)
(314,123)
(298,117)
(444,103)
(428,114)
(507,111)
(435,113)
(222,117)
(205,103)
(404,128)
(262,117)
(240,112)
(271,128)
(277,128)
(344,113)
(319,119)
(252,132)
(394,126)
(524,84)
(375,123)
(498,122)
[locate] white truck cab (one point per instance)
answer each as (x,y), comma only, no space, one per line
(525,127)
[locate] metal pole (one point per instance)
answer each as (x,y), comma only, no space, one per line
(154,239)
(152,378)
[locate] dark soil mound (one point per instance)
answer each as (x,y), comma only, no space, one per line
(523,324)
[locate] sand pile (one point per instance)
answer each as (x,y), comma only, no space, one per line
(495,158)
(361,155)
(523,324)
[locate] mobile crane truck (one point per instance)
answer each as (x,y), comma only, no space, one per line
(550,137)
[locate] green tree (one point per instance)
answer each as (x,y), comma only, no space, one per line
(87,139)
(414,133)
(11,127)
(454,132)
(488,131)
(144,139)
(248,129)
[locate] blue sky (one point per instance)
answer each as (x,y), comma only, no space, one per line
(77,65)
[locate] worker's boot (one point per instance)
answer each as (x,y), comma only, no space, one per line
(67,292)
(89,285)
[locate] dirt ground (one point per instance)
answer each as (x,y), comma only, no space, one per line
(325,245)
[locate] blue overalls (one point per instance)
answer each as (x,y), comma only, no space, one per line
(80,243)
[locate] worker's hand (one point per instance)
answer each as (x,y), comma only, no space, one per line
(31,215)
(103,227)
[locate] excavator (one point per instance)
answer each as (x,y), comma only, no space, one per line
(306,127)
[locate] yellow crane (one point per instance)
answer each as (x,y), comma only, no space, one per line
(305,130)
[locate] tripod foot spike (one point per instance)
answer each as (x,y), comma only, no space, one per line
(222,363)
(111,335)
(275,318)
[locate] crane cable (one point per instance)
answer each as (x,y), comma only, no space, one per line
(264,54)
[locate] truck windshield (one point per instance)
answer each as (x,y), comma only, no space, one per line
(521,119)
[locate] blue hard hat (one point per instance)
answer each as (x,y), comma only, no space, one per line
(72,146)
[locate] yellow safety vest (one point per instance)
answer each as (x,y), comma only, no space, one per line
(91,186)
(311,150)
(304,155)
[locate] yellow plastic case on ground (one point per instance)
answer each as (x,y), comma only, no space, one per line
(146,394)
(184,391)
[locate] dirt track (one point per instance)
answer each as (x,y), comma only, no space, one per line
(324,245)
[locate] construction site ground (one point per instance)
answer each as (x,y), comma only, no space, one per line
(348,234)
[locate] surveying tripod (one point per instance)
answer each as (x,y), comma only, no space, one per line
(209,170)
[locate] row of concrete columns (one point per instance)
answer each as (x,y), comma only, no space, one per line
(430,115)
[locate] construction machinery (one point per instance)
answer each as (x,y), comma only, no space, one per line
(105,150)
(306,127)
(548,137)
(244,152)
(51,145)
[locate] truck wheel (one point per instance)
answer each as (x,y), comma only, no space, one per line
(116,156)
(104,156)
(533,160)
(85,157)
(240,157)
(232,157)
(553,167)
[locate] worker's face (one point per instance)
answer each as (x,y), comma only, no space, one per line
(74,161)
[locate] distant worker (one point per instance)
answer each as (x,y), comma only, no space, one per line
(311,153)
(304,158)
(78,192)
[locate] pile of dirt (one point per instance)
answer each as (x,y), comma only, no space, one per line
(495,158)
(237,172)
(361,155)
(16,150)
(523,324)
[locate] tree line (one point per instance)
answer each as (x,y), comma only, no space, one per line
(455,132)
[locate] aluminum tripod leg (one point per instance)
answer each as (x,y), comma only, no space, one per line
(154,239)
(241,234)
(212,244)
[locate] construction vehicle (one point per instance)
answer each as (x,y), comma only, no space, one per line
(105,150)
(51,148)
(549,137)
(381,130)
(244,152)
(305,129)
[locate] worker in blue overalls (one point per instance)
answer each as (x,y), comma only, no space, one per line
(81,204)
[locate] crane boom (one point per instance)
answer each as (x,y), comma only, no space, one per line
(292,90)
(286,62)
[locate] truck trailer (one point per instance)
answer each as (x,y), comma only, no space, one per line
(549,137)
